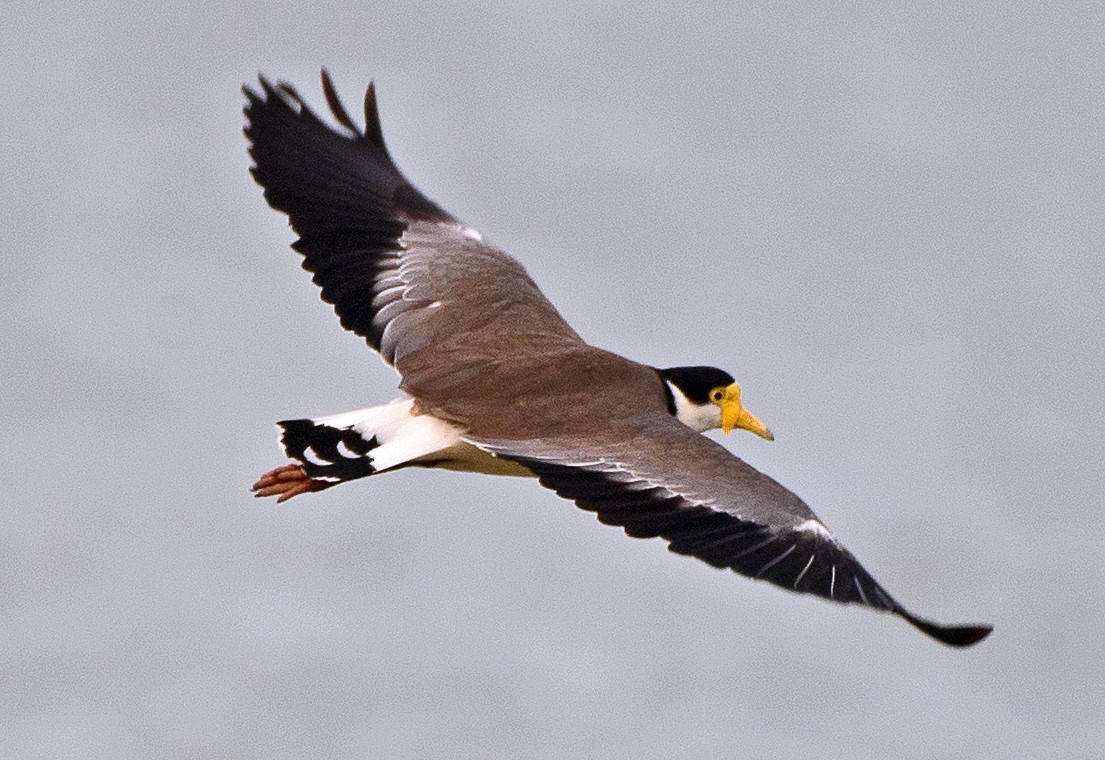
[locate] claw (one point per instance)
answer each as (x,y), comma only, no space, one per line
(287,481)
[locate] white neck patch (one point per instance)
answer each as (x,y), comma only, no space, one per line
(697,418)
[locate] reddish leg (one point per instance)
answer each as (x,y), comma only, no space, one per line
(286,482)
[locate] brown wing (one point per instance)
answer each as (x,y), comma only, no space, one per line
(399,270)
(655,477)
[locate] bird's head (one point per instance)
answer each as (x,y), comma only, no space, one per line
(705,398)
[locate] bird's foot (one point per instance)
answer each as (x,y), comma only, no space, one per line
(287,481)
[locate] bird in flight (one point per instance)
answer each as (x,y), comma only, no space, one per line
(495,381)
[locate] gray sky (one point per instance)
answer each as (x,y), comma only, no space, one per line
(887,224)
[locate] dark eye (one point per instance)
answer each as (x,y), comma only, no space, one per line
(715,396)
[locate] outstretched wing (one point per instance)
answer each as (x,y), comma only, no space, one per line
(655,477)
(399,270)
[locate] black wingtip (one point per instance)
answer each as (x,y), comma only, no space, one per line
(336,106)
(952,635)
(251,96)
(373,132)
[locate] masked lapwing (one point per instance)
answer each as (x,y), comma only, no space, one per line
(495,381)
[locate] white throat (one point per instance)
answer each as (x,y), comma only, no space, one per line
(697,418)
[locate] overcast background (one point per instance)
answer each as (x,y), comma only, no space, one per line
(888,224)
